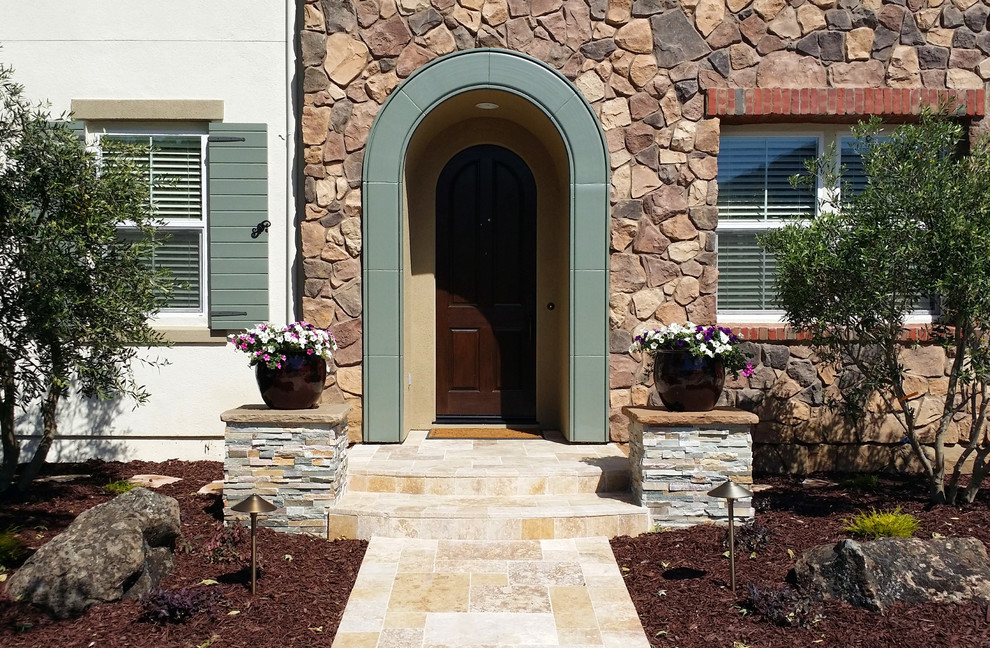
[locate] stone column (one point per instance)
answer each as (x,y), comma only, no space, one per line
(677,457)
(296,459)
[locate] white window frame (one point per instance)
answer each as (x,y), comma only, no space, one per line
(173,317)
(826,134)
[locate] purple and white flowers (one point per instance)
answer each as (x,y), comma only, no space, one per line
(700,341)
(271,344)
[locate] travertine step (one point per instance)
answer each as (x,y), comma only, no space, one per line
(485,517)
(537,476)
(463,489)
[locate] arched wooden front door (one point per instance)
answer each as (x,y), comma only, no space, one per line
(486,287)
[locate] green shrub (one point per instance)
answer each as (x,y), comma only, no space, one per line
(861,482)
(12,548)
(882,524)
(119,487)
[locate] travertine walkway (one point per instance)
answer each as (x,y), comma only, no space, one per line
(413,593)
(493,543)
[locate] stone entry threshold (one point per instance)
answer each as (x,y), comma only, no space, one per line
(416,593)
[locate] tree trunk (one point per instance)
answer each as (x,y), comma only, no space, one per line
(49,407)
(980,469)
(11,447)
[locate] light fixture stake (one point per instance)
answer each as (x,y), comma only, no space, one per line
(254,505)
(731,491)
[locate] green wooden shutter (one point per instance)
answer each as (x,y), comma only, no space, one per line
(77,127)
(238,201)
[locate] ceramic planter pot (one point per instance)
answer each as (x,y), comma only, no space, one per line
(686,383)
(297,385)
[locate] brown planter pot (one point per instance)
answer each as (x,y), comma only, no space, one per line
(297,385)
(687,383)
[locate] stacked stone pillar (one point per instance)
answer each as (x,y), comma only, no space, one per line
(677,457)
(295,459)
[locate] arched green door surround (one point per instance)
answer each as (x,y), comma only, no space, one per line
(382,225)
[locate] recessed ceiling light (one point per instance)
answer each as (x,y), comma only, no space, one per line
(487,105)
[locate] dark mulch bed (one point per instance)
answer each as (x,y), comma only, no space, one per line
(302,588)
(300,601)
(688,610)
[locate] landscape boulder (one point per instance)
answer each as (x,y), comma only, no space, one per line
(876,573)
(119,549)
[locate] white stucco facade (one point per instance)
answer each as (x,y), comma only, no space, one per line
(235,51)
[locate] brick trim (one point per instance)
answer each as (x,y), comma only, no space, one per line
(784,333)
(837,102)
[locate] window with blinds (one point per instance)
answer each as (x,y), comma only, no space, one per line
(754,195)
(175,167)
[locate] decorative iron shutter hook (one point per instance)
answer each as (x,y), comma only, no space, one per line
(260,227)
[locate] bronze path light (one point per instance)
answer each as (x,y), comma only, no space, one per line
(731,491)
(255,504)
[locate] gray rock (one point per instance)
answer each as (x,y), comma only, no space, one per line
(628,209)
(655,120)
(813,395)
(650,156)
(647,8)
(750,350)
(675,39)
(776,356)
(338,15)
(884,39)
(963,38)
(863,17)
(315,79)
(598,8)
(983,42)
(667,172)
(599,50)
(619,341)
(488,37)
(910,34)
(932,57)
(763,378)
(803,372)
(976,17)
(462,37)
(832,44)
(749,399)
(686,89)
(353,165)
(720,62)
(340,114)
(952,17)
(314,48)
(387,64)
(909,570)
(838,19)
(423,21)
(119,549)
(809,46)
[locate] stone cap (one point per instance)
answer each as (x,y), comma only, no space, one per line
(326,413)
(666,418)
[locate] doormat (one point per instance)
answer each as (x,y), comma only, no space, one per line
(484,433)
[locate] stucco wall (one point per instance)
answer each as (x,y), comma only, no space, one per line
(233,51)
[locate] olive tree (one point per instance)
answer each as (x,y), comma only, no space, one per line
(74,297)
(920,228)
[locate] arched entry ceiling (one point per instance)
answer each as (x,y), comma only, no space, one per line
(382,224)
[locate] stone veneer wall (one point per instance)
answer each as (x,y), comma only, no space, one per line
(650,69)
(799,432)
(677,457)
(295,459)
